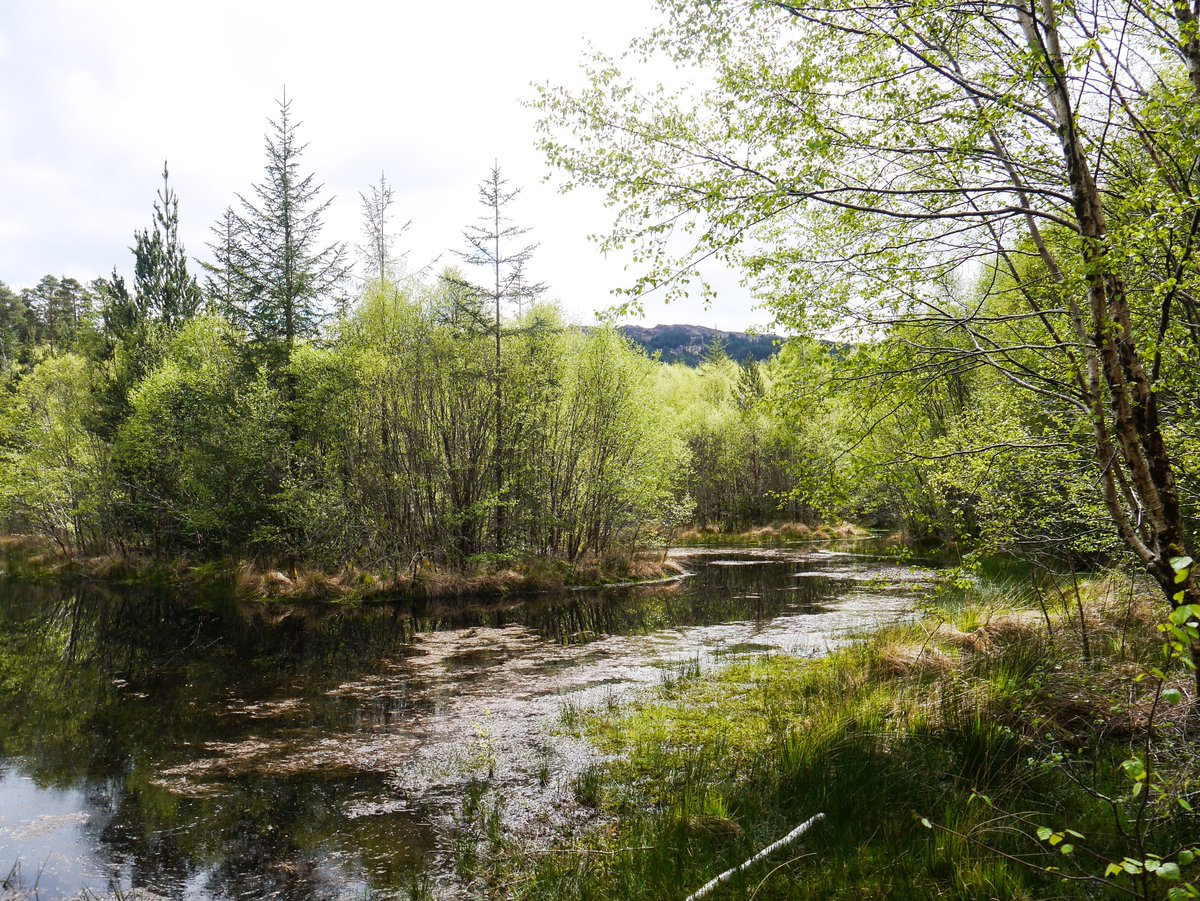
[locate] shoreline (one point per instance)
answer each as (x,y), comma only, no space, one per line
(772,534)
(36,559)
(905,740)
(31,559)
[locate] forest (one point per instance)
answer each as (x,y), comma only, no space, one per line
(975,226)
(284,411)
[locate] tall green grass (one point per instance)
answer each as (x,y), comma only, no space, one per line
(935,751)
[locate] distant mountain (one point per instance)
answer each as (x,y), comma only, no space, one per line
(690,343)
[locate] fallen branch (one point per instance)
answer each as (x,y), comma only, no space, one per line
(764,853)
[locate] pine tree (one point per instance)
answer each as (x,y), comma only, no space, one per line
(164,290)
(16,327)
(750,387)
(58,308)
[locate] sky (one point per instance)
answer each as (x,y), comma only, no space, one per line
(95,96)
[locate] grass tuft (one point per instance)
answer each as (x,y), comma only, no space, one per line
(979,721)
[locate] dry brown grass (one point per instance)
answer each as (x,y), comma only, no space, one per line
(901,660)
(33,557)
(975,642)
(656,569)
(1013,627)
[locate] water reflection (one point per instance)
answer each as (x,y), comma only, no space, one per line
(226,749)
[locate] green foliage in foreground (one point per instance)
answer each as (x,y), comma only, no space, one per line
(970,758)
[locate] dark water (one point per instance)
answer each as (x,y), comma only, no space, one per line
(252,751)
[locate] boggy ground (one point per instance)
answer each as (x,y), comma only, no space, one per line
(33,558)
(979,752)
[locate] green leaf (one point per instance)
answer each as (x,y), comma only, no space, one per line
(1181,615)
(925,822)
(1044,832)
(1187,856)
(1180,564)
(1134,768)
(1172,696)
(1169,872)
(1067,848)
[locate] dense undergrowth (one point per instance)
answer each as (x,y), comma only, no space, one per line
(981,752)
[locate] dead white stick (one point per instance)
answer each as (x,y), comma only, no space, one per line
(765,852)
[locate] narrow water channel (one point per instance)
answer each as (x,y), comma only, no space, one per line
(253,751)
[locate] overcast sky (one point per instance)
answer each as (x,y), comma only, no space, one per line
(94,96)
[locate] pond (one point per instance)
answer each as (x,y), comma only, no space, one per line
(268,751)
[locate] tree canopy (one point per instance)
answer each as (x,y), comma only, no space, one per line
(999,186)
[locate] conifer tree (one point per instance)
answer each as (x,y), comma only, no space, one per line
(58,308)
(221,282)
(16,326)
(490,249)
(279,272)
(164,290)
(381,262)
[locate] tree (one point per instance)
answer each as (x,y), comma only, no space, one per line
(129,350)
(201,452)
(16,327)
(221,282)
(279,272)
(858,162)
(164,290)
(52,469)
(61,309)
(377,252)
(490,250)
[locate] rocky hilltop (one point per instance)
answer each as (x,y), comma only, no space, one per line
(690,344)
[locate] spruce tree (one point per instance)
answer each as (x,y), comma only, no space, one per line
(278,271)
(491,249)
(379,259)
(221,282)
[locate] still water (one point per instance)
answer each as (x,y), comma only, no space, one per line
(264,751)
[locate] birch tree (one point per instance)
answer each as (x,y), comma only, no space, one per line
(861,163)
